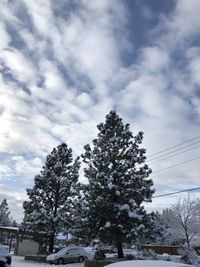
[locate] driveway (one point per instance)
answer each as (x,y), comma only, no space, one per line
(18,261)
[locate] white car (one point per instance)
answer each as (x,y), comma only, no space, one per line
(5,257)
(68,254)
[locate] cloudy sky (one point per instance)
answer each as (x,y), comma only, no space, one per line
(65,64)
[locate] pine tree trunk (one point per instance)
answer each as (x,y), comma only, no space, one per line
(51,244)
(120,250)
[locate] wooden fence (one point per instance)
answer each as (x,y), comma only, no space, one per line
(162,249)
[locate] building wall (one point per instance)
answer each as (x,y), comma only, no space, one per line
(28,247)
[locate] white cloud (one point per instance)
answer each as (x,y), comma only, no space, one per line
(196,103)
(21,167)
(5,38)
(54,84)
(40,11)
(84,100)
(19,65)
(154,59)
(73,67)
(194,67)
(181,27)
(91,47)
(4,171)
(30,167)
(185,22)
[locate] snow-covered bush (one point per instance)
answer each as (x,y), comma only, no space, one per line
(189,256)
(164,257)
(167,257)
(150,254)
(131,257)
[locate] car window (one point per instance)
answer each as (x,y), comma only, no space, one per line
(63,250)
(74,250)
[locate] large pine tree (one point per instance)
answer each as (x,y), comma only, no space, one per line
(51,198)
(111,205)
(5,219)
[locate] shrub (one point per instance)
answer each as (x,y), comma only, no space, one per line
(149,254)
(189,256)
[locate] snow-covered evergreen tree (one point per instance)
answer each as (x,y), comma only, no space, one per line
(155,230)
(15,224)
(5,219)
(51,198)
(111,205)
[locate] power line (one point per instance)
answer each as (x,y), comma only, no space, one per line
(169,148)
(161,159)
(177,192)
(175,165)
(175,151)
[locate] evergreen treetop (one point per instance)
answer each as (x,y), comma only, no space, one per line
(5,219)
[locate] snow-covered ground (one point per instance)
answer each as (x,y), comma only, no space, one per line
(148,263)
(18,261)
